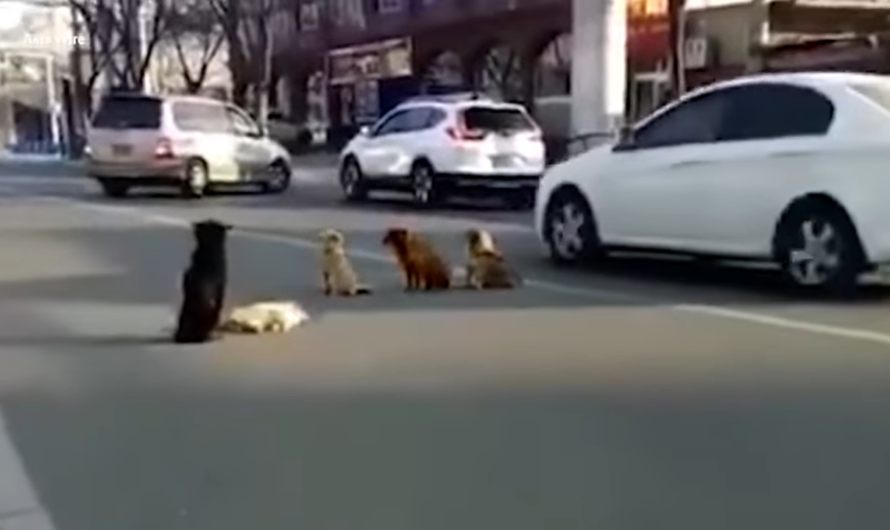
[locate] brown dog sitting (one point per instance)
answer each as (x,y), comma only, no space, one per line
(486,266)
(422,266)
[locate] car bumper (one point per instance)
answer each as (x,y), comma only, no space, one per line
(166,172)
(489,183)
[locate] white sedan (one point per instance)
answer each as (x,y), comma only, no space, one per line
(791,168)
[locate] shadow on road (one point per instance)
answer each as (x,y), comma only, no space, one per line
(403,460)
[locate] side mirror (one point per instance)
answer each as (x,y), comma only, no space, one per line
(626,134)
(625,138)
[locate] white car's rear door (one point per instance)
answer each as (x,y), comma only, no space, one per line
(773,145)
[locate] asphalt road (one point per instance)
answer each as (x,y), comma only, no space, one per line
(645,395)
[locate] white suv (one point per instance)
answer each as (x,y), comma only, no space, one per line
(438,146)
(189,142)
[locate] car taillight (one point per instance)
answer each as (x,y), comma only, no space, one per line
(461,133)
(164,149)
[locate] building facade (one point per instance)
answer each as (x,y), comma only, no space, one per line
(339,53)
(346,54)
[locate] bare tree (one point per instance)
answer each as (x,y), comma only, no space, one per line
(258,39)
(94,17)
(249,31)
(229,14)
(194,30)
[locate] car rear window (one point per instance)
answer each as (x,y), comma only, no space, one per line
(128,113)
(878,93)
(497,119)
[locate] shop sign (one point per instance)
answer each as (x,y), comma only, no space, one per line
(378,60)
(648,30)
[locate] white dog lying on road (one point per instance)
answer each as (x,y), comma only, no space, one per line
(264,317)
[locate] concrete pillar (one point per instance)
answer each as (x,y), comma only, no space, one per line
(599,35)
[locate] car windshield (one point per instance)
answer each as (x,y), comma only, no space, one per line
(497,119)
(128,113)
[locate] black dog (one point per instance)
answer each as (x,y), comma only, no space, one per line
(203,284)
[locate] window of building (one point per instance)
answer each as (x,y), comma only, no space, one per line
(385,7)
(310,16)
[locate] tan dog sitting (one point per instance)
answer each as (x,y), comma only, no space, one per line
(486,266)
(264,317)
(338,276)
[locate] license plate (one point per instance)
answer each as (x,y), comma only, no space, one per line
(503,161)
(121,150)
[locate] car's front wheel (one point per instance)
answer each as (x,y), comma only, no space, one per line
(818,248)
(278,178)
(570,229)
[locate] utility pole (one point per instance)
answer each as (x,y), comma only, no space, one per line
(78,109)
(677,14)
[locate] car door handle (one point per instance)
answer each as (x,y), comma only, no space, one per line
(688,163)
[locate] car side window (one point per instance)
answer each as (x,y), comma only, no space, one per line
(241,124)
(199,117)
(417,119)
(435,117)
(775,110)
(695,121)
(391,125)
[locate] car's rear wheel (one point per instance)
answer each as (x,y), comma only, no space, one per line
(818,248)
(352,181)
(424,191)
(278,178)
(570,229)
(197,177)
(115,188)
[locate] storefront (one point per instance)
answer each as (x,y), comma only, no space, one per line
(367,81)
(862,54)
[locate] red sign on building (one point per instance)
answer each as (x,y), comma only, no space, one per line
(648,31)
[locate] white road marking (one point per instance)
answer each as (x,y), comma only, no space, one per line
(20,508)
(714,311)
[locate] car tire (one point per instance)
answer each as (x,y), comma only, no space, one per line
(278,178)
(424,190)
(570,229)
(114,188)
(196,179)
(818,249)
(521,200)
(352,181)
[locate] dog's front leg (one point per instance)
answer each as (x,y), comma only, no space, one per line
(326,284)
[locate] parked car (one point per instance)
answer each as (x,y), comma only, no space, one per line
(441,146)
(188,142)
(792,168)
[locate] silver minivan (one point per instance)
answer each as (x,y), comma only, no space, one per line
(188,142)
